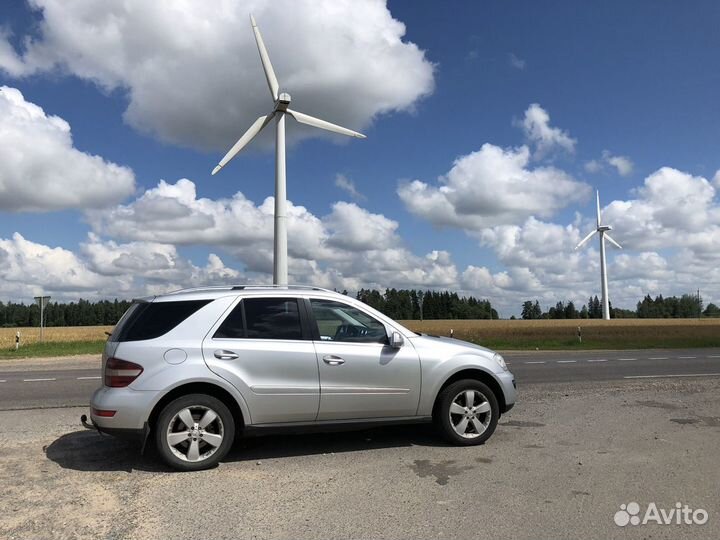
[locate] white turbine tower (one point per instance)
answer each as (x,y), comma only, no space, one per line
(602,230)
(281,100)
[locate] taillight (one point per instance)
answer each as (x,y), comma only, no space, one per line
(120,373)
(104,413)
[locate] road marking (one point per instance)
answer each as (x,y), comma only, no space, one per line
(663,376)
(86,378)
(626,359)
(598,360)
(714,356)
(658,358)
(3,380)
(566,361)
(686,357)
(539,362)
(38,380)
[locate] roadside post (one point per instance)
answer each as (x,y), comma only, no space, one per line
(17,340)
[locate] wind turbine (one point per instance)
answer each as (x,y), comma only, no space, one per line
(602,230)
(280,109)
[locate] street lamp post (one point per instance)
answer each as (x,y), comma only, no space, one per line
(42,300)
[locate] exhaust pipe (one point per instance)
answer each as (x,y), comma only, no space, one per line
(86,424)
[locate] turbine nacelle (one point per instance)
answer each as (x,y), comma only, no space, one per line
(604,228)
(282,102)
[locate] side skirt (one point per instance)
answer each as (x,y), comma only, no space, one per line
(331,425)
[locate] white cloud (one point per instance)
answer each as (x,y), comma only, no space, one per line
(191,69)
(516,62)
(102,269)
(671,232)
(173,214)
(348,186)
(154,263)
(672,209)
(492,186)
(355,229)
(33,268)
(41,170)
(593,166)
(349,246)
(547,139)
(622,164)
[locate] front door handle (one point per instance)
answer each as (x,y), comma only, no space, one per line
(332,360)
(225,355)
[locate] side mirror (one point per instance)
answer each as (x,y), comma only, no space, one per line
(396,340)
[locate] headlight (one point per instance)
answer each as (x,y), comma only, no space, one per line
(500,360)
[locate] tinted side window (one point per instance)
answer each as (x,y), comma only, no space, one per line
(272,318)
(234,326)
(153,319)
(340,322)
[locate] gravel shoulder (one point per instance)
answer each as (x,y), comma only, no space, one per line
(559,466)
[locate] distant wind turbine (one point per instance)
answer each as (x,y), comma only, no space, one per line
(602,230)
(281,100)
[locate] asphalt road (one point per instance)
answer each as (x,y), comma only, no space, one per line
(67,384)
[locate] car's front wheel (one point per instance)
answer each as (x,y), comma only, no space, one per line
(194,432)
(466,412)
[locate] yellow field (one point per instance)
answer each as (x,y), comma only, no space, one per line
(618,333)
(53,334)
(596,333)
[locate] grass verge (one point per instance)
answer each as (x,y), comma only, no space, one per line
(53,348)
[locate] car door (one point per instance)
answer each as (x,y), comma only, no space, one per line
(361,376)
(265,350)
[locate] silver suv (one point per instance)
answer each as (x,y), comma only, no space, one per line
(192,368)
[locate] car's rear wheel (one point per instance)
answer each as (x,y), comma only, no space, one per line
(194,432)
(466,412)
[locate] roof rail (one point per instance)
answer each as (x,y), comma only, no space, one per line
(246,287)
(301,287)
(207,288)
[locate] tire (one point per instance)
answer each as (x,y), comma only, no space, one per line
(480,418)
(194,447)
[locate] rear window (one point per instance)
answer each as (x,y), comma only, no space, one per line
(148,320)
(262,318)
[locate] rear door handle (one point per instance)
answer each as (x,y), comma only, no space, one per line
(332,360)
(225,355)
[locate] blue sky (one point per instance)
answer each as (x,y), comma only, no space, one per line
(614,80)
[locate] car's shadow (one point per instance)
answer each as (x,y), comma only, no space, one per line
(87,450)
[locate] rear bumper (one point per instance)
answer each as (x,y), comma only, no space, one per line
(132,410)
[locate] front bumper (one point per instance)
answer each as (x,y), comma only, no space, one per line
(507,382)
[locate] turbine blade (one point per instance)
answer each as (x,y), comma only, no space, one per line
(585,240)
(248,136)
(322,124)
(597,194)
(265,59)
(607,236)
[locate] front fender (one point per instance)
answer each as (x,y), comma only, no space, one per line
(438,373)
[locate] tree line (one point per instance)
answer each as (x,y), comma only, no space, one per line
(81,313)
(400,304)
(408,304)
(686,306)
